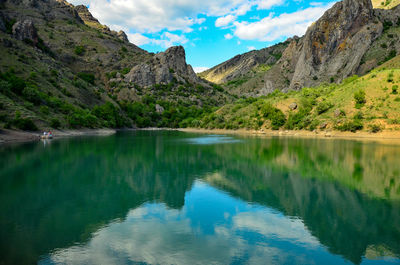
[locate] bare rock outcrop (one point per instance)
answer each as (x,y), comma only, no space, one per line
(163,68)
(85,15)
(122,36)
(241,64)
(25,30)
(334,46)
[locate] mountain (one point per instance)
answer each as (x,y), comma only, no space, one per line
(315,84)
(350,38)
(62,68)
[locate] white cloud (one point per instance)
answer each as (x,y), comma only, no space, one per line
(138,39)
(251,48)
(166,40)
(285,25)
(158,235)
(228,36)
(224,21)
(199,69)
(267,4)
(152,16)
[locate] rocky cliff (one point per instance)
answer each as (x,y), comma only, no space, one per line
(334,45)
(59,63)
(163,68)
(241,64)
(350,38)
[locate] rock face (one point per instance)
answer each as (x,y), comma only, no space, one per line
(85,15)
(122,36)
(243,63)
(334,45)
(162,69)
(332,49)
(25,30)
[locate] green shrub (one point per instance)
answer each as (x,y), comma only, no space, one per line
(80,84)
(275,115)
(17,84)
(374,128)
(323,107)
(387,24)
(359,98)
(82,119)
(55,123)
(32,95)
(87,77)
(390,77)
(394,89)
(5,87)
(112,74)
(44,110)
(79,50)
(125,71)
(109,113)
(390,56)
(352,126)
(24,124)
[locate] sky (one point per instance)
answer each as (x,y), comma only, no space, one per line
(211,31)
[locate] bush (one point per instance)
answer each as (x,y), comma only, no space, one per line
(125,71)
(87,77)
(352,126)
(82,119)
(391,55)
(394,89)
(359,97)
(25,124)
(109,113)
(79,50)
(80,84)
(16,84)
(275,115)
(374,128)
(323,107)
(32,95)
(55,123)
(5,87)
(390,77)
(44,110)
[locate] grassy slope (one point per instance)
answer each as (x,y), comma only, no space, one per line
(62,95)
(381,110)
(385,4)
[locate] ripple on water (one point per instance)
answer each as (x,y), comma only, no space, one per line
(212,139)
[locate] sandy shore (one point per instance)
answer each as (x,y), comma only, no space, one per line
(10,136)
(387,136)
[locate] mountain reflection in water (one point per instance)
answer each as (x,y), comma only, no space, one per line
(177,198)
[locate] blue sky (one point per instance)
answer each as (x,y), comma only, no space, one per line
(211,31)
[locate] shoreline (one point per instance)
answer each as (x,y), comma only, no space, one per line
(14,136)
(393,136)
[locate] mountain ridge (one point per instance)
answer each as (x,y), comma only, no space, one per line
(333,48)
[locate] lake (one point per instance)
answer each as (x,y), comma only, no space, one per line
(168,197)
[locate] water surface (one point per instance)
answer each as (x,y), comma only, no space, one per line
(165,197)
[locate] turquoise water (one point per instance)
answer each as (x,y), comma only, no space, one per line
(166,197)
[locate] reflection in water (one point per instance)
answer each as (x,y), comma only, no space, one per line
(155,234)
(212,139)
(160,197)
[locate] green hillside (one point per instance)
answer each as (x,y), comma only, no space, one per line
(369,103)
